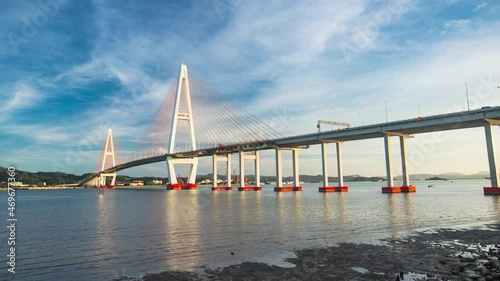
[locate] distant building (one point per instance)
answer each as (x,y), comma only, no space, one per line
(206,181)
(137,183)
(157,182)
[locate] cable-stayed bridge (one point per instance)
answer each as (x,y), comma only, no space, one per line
(194,121)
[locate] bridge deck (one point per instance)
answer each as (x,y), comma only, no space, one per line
(443,122)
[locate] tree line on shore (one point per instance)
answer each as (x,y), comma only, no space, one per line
(59,178)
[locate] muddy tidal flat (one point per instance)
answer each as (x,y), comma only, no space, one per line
(446,254)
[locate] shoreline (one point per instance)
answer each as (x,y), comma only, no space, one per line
(42,188)
(443,254)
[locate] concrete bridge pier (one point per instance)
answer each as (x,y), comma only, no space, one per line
(407,187)
(279,172)
(216,158)
(257,169)
(102,180)
(390,188)
(490,146)
(255,157)
(324,161)
(191,180)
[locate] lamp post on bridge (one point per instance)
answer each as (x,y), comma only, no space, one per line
(386,115)
(467,95)
(331,119)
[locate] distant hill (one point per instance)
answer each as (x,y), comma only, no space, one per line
(54,178)
(303,178)
(50,178)
(450,176)
(57,178)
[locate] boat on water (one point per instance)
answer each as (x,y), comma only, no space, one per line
(431,185)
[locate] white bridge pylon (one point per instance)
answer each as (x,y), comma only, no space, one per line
(109,150)
(183,90)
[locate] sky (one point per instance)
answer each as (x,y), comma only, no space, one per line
(72,69)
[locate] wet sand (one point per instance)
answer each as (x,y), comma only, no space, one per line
(445,254)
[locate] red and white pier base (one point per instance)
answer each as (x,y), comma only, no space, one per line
(178,186)
(215,159)
(390,188)
(255,157)
(279,172)
(324,161)
(494,189)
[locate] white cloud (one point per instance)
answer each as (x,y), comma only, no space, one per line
(44,134)
(457,24)
(480,6)
(24,96)
(87,72)
(283,33)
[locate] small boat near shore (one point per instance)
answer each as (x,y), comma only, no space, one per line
(431,185)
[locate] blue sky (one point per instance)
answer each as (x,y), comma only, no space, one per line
(71,69)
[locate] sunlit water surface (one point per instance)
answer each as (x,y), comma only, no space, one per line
(81,235)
